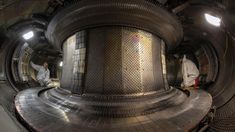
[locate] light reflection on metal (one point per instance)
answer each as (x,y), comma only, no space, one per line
(75,48)
(164,71)
(141,59)
(61,64)
(62,111)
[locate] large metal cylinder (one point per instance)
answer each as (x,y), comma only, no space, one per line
(114,74)
(113,61)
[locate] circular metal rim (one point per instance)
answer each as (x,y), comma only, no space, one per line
(137,14)
(37,114)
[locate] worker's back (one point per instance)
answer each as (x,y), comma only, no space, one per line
(190,72)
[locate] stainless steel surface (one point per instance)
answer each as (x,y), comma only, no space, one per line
(58,110)
(7,124)
(114,77)
(122,89)
(224,118)
(219,70)
(8,120)
(119,61)
(219,65)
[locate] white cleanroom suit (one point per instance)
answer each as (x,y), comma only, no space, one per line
(190,72)
(43,75)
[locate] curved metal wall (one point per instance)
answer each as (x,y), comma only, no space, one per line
(120,61)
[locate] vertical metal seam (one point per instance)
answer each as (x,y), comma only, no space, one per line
(163,62)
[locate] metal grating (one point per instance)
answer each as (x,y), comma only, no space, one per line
(74,62)
(94,78)
(120,61)
(225,118)
(112,62)
(132,68)
(115,61)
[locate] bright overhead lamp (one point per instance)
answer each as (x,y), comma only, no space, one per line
(61,64)
(28,35)
(213,20)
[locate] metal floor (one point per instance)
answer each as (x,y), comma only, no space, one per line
(7,124)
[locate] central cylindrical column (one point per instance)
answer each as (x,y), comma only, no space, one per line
(113,61)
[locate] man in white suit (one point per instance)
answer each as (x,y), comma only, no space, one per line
(43,75)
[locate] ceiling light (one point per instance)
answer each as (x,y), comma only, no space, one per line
(61,64)
(28,35)
(213,20)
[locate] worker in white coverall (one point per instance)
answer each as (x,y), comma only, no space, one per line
(190,73)
(43,75)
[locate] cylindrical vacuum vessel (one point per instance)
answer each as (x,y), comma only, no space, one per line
(114,73)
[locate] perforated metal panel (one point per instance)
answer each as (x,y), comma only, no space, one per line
(94,78)
(224,120)
(74,62)
(113,61)
(122,60)
(132,62)
(112,81)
